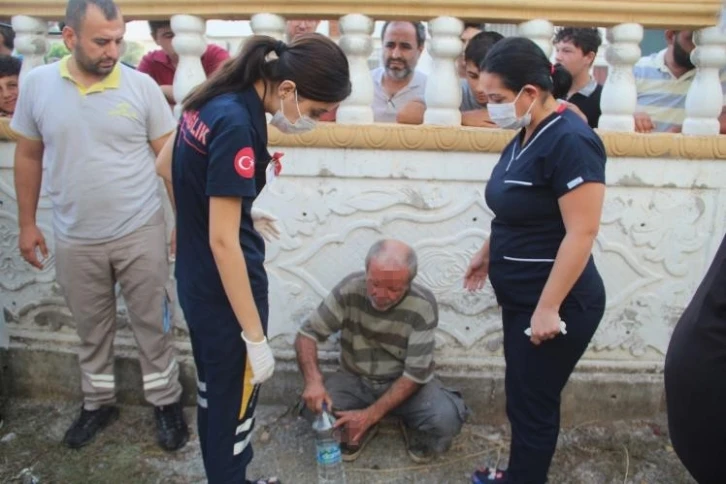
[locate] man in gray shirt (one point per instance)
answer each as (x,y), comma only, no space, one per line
(90,128)
(398,89)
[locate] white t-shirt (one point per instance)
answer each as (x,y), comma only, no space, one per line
(385,109)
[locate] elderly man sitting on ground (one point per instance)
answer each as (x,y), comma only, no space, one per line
(387,324)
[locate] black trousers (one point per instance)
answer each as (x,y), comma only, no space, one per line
(695,378)
(227,399)
(534,379)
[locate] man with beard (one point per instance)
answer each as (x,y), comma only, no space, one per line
(662,81)
(387,326)
(91,128)
(398,89)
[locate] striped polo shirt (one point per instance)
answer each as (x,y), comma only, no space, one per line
(379,346)
(661,94)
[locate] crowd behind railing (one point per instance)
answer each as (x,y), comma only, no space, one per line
(410,72)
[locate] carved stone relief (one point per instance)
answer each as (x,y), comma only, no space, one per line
(652,250)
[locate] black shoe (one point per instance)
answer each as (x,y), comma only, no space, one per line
(171,429)
(88,424)
(417,445)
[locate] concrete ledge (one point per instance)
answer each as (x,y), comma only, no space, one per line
(589,396)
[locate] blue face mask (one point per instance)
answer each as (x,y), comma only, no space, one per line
(302,125)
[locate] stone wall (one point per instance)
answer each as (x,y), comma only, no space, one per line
(662,223)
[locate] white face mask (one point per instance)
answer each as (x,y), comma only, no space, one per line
(302,125)
(505,116)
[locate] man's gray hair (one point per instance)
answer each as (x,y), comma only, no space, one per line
(379,250)
(76,10)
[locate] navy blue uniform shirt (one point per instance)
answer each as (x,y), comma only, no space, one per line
(523,192)
(220,151)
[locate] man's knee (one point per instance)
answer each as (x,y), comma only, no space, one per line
(447,418)
(442,411)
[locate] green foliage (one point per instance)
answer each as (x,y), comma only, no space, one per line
(134,52)
(57,51)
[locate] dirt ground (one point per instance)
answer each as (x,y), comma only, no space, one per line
(635,452)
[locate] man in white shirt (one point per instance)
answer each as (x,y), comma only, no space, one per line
(398,89)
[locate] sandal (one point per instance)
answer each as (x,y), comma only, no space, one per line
(486,475)
(350,452)
(417,448)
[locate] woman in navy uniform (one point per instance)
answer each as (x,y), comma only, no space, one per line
(216,171)
(546,193)
(695,386)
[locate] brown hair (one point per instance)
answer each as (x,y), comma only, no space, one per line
(155,25)
(76,11)
(313,62)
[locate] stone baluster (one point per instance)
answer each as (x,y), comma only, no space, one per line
(30,41)
(443,92)
(189,44)
(540,32)
(357,44)
(619,95)
(268,24)
(709,57)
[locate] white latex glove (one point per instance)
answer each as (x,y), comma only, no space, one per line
(260,357)
(563,329)
(265,224)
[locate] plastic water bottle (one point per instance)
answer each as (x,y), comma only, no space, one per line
(330,461)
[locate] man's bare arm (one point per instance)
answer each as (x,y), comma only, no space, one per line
(28,176)
(399,392)
(307,359)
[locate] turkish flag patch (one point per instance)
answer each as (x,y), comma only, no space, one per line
(244,162)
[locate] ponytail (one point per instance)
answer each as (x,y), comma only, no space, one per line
(238,73)
(316,65)
(561,81)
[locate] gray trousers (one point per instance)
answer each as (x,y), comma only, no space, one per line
(87,275)
(435,411)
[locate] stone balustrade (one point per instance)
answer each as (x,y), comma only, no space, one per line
(445,23)
(347,184)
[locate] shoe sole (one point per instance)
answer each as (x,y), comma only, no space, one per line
(111,419)
(178,447)
(417,459)
(369,436)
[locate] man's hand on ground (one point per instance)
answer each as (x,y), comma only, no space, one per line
(314,395)
(357,422)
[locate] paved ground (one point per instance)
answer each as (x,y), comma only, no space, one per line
(635,452)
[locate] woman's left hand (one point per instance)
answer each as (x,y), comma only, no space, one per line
(545,325)
(265,224)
